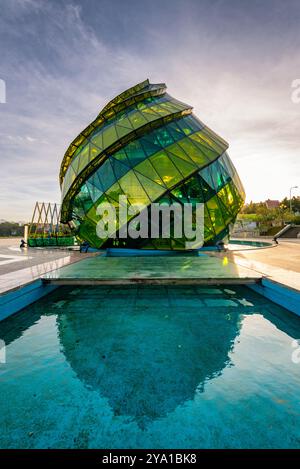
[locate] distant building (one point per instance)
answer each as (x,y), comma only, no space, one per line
(270,204)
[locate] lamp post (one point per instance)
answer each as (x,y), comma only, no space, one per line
(291,188)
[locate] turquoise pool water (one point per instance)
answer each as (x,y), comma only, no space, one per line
(156,367)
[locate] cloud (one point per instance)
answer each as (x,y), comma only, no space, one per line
(63,61)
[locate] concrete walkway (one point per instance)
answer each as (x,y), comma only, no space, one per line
(19,267)
(279,263)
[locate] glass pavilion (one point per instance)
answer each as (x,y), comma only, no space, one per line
(150,147)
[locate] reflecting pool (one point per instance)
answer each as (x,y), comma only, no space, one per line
(150,366)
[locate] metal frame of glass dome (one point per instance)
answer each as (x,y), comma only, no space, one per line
(150,147)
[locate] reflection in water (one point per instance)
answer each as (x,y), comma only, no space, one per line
(146,350)
(162,367)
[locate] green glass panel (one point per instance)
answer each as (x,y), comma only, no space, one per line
(84,198)
(109,136)
(87,232)
(146,169)
(121,131)
(84,158)
(209,152)
(227,216)
(214,139)
(171,107)
(75,163)
(151,188)
(137,120)
(183,166)
(185,128)
(77,207)
(94,151)
(166,169)
(141,106)
(207,142)
(208,228)
(70,178)
(131,187)
(192,122)
(149,112)
(226,198)
(194,153)
(219,177)
(159,109)
(114,193)
(98,140)
(125,122)
(178,151)
(215,215)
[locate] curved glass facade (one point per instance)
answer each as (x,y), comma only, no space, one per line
(151,148)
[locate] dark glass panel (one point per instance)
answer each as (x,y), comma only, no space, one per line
(205,173)
(193,190)
(122,157)
(95,181)
(164,137)
(94,192)
(118,168)
(180,194)
(194,123)
(175,131)
(207,191)
(135,153)
(150,145)
(106,175)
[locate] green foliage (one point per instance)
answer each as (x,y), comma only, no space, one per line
(270,220)
(11,229)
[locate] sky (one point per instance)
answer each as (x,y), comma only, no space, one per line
(234,61)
